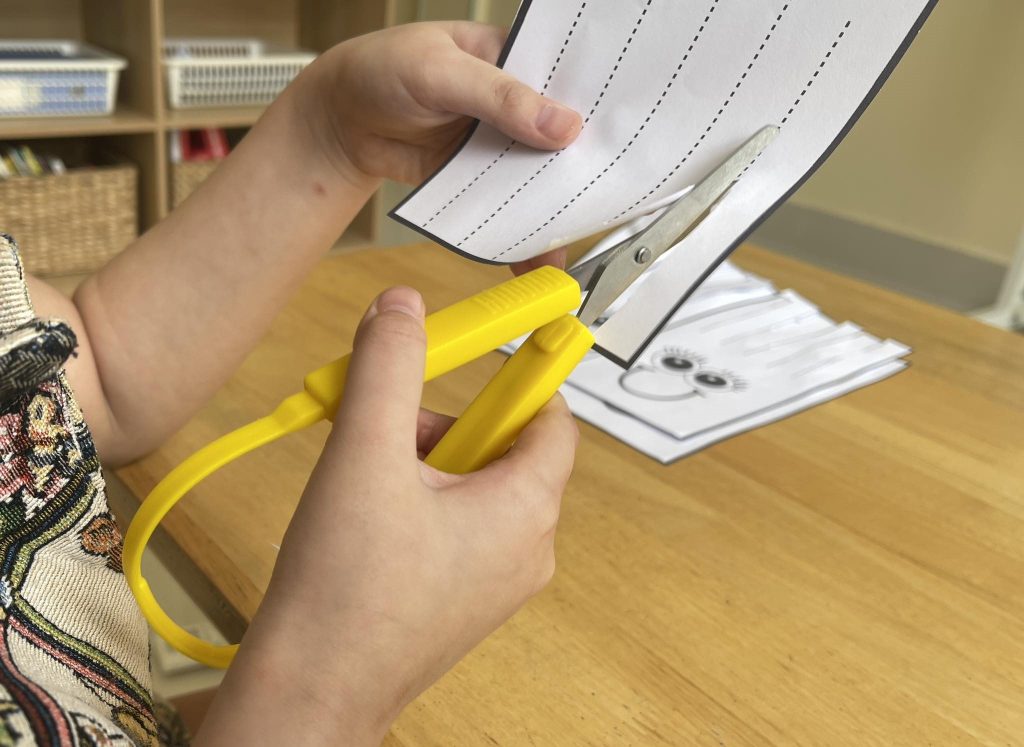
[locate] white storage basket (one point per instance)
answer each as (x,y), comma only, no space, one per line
(53,77)
(228,72)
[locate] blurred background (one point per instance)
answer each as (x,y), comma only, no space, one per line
(922,197)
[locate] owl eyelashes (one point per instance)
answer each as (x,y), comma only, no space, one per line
(677,360)
(718,381)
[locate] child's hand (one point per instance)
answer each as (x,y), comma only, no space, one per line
(391,571)
(397,102)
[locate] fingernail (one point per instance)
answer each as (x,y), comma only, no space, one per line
(556,122)
(403,300)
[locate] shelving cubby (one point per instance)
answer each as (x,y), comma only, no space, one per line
(134,29)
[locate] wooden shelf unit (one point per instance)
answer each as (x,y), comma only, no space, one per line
(135,29)
(228,116)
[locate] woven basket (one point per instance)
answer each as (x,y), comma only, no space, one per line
(73,222)
(185,177)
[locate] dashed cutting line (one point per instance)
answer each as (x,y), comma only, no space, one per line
(628,145)
(718,115)
(821,66)
(586,120)
(807,87)
(512,143)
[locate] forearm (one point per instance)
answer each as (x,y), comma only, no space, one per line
(173,316)
(285,683)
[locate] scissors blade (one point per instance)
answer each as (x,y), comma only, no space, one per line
(620,267)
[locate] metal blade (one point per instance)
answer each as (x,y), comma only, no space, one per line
(624,263)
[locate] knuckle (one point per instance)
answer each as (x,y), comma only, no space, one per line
(432,80)
(544,502)
(572,426)
(550,511)
(545,570)
(509,95)
(570,430)
(564,423)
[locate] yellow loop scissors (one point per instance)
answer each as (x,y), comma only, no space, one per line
(540,301)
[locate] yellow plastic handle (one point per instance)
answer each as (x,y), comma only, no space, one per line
(493,421)
(295,413)
(470,328)
(455,335)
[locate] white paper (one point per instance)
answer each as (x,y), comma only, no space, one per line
(736,355)
(716,369)
(665,448)
(667,90)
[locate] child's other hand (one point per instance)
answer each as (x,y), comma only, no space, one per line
(397,102)
(391,571)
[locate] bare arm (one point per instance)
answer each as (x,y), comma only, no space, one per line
(170,318)
(166,322)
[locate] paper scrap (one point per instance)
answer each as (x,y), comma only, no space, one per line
(738,354)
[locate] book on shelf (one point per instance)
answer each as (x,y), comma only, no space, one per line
(22,160)
(208,144)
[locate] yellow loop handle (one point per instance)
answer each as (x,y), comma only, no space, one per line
(296,412)
(455,335)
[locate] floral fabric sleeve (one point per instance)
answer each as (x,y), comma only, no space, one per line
(74,653)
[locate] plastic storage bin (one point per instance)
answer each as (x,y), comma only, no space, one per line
(228,72)
(46,78)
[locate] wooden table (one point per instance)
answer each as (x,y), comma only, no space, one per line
(850,575)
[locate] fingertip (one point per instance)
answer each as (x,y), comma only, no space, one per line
(557,258)
(546,448)
(558,123)
(463,84)
(402,299)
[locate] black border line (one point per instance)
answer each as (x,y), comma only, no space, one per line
(506,50)
(503,57)
(879,82)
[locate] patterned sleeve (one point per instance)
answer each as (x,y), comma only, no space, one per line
(74,653)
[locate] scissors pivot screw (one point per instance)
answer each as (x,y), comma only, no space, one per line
(642,256)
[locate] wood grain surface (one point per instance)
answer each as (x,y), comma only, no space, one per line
(851,575)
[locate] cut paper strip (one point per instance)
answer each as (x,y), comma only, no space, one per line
(665,448)
(736,355)
(689,382)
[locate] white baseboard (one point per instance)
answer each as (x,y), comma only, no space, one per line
(938,274)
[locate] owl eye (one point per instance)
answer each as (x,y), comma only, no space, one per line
(677,363)
(675,360)
(711,379)
(720,381)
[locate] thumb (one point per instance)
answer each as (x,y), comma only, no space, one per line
(472,86)
(381,404)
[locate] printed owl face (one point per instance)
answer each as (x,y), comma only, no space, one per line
(675,374)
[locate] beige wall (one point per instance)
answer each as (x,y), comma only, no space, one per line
(939,156)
